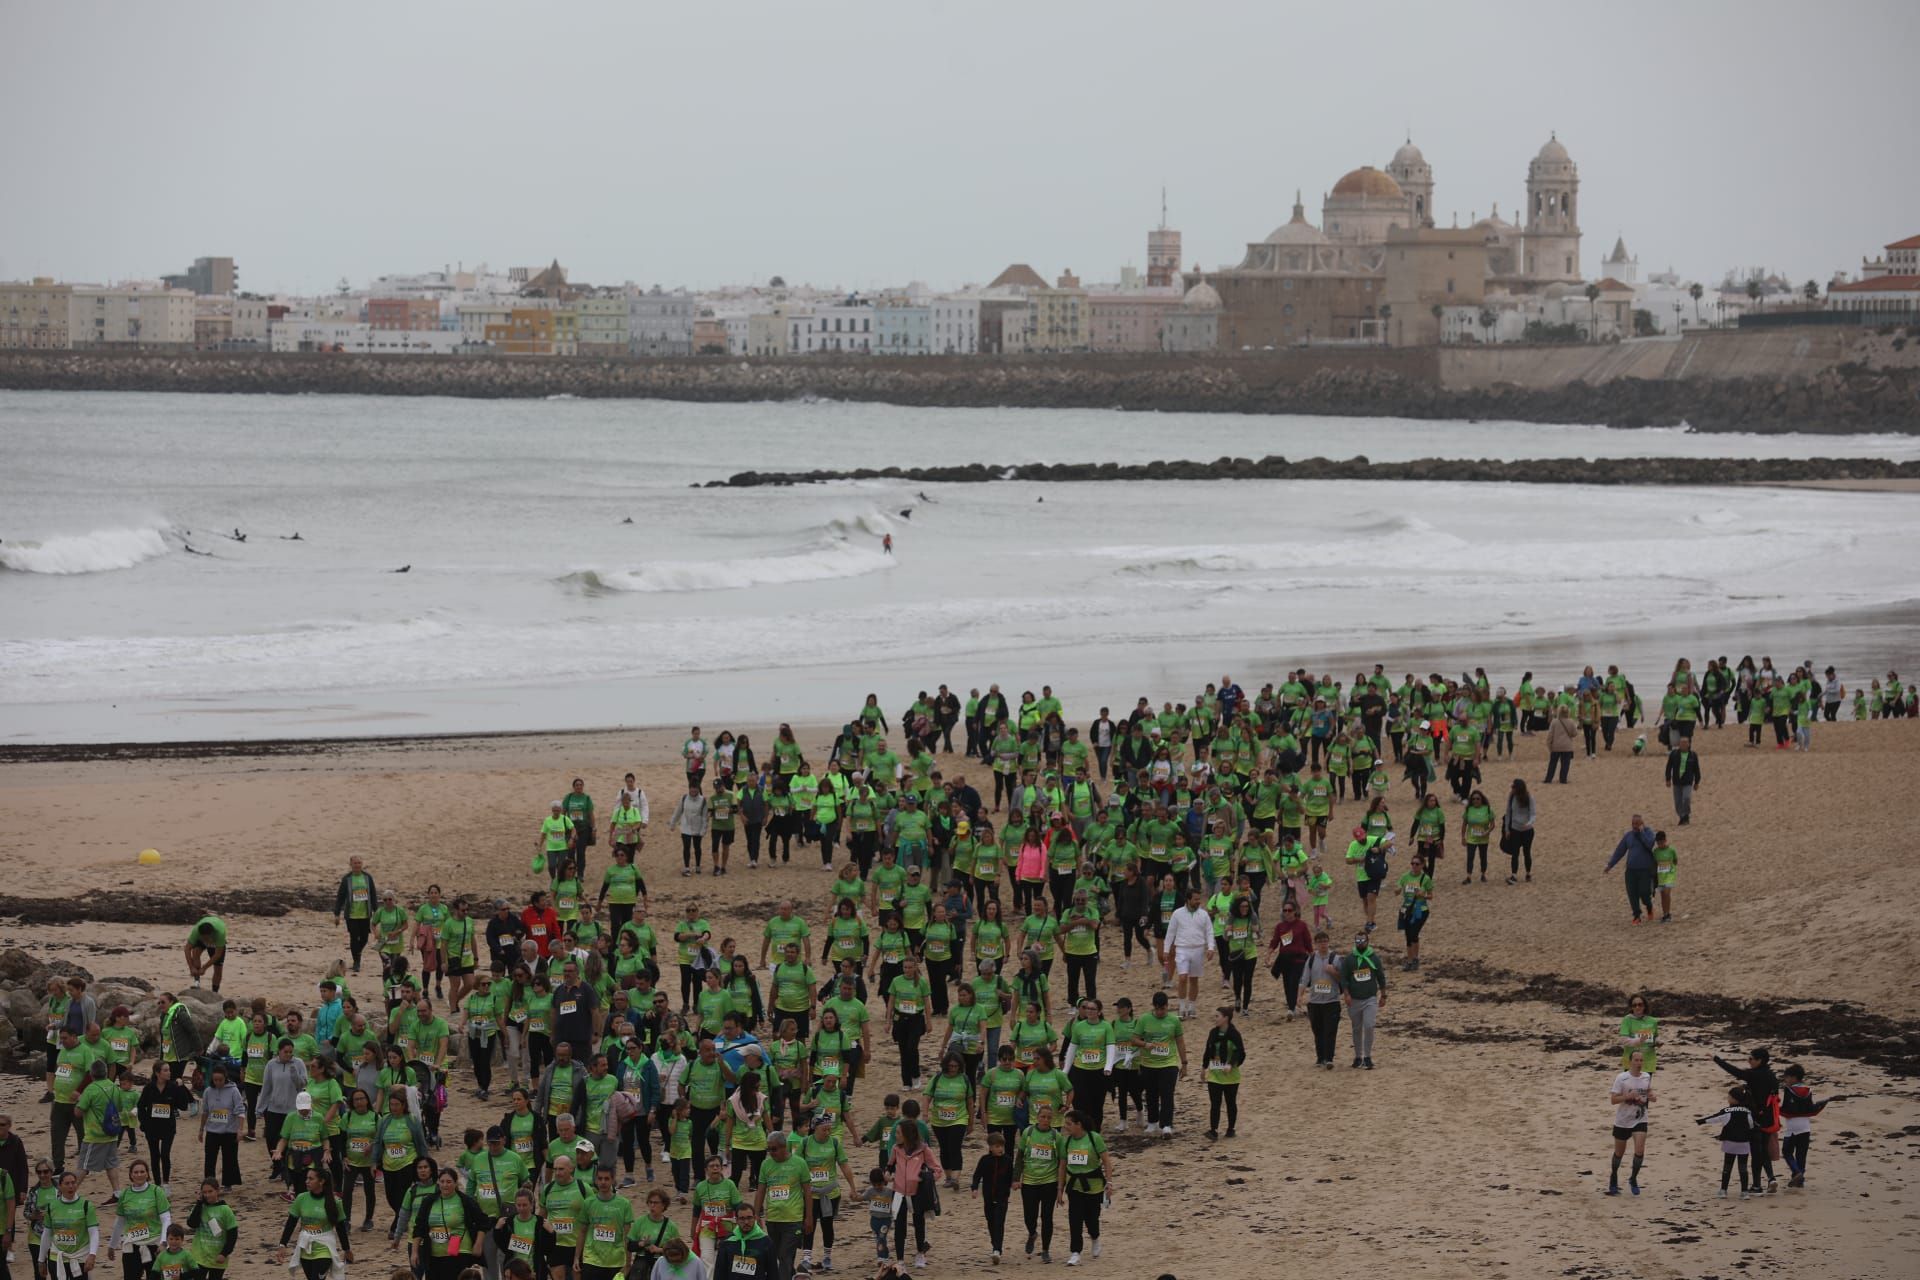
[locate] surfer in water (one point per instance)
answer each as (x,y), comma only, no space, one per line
(886,544)
(236,535)
(295,538)
(405,568)
(195,551)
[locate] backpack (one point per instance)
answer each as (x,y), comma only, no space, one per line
(1376,860)
(110,1123)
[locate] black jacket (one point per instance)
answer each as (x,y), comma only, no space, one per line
(1683,774)
(1132,901)
(340,894)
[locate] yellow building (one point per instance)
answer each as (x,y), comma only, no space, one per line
(1058,318)
(35,315)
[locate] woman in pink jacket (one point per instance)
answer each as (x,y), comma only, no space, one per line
(916,1175)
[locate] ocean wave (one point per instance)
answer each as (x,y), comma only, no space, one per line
(97,552)
(818,564)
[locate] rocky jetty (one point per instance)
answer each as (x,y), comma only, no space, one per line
(23,1007)
(1662,471)
(1402,383)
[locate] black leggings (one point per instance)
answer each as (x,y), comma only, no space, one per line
(1762,1161)
(539,1052)
(916,1209)
(1037,1203)
(823,1221)
(1079,969)
(160,1157)
(396,1182)
(482,1056)
(1242,976)
(1782,729)
(950,1137)
(1522,848)
(252,1092)
(362,1175)
(1131,930)
(1727,1161)
(1481,849)
(1217,1094)
(996,1212)
(1083,1217)
(689,850)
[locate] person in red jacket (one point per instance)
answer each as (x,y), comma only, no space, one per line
(1288,949)
(541,922)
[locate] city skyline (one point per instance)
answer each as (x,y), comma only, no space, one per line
(832,148)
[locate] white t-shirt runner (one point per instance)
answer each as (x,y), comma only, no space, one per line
(1633,1111)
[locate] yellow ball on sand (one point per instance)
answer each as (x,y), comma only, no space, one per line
(149,857)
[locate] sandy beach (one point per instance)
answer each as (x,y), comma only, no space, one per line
(1480,1142)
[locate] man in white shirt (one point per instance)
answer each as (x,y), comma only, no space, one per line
(1189,945)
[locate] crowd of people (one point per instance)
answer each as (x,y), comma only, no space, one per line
(972,931)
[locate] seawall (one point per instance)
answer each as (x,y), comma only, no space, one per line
(1879,472)
(1714,382)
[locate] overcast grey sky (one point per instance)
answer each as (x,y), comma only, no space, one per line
(870,143)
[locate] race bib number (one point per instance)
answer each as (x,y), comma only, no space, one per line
(1323,986)
(359,1146)
(396,1152)
(65,1239)
(521,1246)
(136,1235)
(1004,1098)
(568,1008)
(161,1111)
(1286,939)
(605,1235)
(946,1113)
(63,1072)
(438,1235)
(523,1146)
(219,1115)
(1077,1159)
(539,931)
(778,1194)
(745,1266)
(359,895)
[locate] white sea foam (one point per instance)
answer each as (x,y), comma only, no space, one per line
(812,565)
(96,552)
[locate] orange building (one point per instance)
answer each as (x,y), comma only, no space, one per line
(529,331)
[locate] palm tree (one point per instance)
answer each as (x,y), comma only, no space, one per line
(1811,290)
(1439,311)
(1486,324)
(1694,291)
(1593,316)
(1753,292)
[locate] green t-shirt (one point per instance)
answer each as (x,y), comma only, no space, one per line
(607,1220)
(70,1072)
(622,883)
(823,1161)
(70,1223)
(909,995)
(563,1205)
(315,1215)
(359,895)
(1158,1034)
(785,1183)
(139,1211)
(949,1096)
(1080,1159)
(1088,1043)
(210,1237)
(215,923)
(793,987)
(1047,1088)
(1037,1153)
(169,1265)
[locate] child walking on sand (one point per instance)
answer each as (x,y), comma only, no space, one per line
(1797,1110)
(1666,863)
(1736,1138)
(1319,889)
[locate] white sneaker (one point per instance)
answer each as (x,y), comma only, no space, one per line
(920,1261)
(996,1255)
(806,1257)
(1073,1259)
(1096,1248)
(1166,1131)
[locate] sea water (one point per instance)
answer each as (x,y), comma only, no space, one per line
(530,601)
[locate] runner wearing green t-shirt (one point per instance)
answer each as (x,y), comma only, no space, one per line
(206,949)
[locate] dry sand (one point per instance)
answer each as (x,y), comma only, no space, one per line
(1481,1141)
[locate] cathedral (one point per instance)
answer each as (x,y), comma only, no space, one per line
(1327,283)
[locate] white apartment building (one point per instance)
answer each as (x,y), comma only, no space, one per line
(361,339)
(841,326)
(603,325)
(956,326)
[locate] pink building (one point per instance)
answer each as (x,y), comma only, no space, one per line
(1129,321)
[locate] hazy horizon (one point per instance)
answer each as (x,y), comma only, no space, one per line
(859,145)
